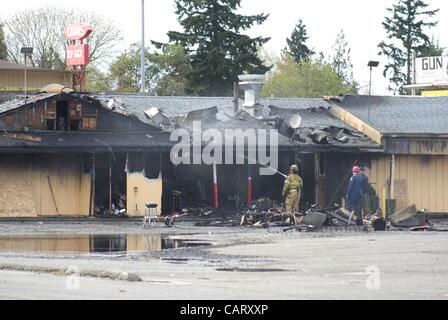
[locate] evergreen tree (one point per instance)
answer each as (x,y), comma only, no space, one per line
(433,49)
(219,52)
(405,31)
(341,61)
(297,47)
(3,49)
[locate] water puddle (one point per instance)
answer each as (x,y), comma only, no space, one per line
(124,243)
(252,269)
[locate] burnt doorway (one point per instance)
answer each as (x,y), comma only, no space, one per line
(307,167)
(321,191)
(62,116)
(110,184)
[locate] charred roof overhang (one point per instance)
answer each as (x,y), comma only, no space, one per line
(320,131)
(417,145)
(86,142)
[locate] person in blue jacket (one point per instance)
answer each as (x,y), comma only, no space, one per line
(355,191)
(365,192)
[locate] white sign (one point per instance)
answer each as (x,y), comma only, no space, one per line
(431,70)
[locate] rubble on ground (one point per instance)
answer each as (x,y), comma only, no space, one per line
(268,213)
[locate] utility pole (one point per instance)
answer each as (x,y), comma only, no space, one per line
(142,57)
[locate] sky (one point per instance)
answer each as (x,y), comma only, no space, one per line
(360,19)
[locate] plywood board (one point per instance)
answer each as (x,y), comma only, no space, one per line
(29,176)
(16,200)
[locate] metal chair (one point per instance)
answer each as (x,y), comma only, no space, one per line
(176,201)
(150,214)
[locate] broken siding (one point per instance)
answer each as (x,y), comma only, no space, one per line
(419,179)
(28,179)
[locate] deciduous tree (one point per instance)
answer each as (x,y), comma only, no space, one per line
(174,68)
(124,72)
(307,79)
(3,48)
(43,29)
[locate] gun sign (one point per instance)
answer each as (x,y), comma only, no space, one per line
(77,31)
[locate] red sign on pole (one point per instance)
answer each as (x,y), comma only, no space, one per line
(77,31)
(78,55)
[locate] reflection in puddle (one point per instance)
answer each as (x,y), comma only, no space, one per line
(95,243)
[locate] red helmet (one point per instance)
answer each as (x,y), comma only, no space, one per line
(356,169)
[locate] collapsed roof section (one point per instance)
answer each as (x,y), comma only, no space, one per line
(320,130)
(33,125)
(109,104)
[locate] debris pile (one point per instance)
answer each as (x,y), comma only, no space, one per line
(268,213)
(410,218)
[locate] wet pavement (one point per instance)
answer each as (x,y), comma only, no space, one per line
(241,263)
(95,243)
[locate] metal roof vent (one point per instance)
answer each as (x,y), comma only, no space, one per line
(252,84)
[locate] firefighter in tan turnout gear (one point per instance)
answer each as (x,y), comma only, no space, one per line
(292,190)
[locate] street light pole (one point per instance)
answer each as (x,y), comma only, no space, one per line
(142,57)
(26,51)
(371,65)
(25,78)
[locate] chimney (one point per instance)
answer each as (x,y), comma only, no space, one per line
(251,84)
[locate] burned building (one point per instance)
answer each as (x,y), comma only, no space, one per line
(413,132)
(324,147)
(71,154)
(68,154)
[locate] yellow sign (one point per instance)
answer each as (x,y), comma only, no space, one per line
(436,93)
